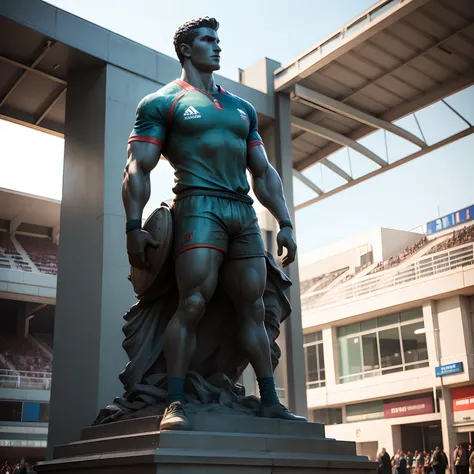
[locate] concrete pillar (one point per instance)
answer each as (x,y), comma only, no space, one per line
(447,422)
(296,384)
(92,291)
(396,438)
(330,356)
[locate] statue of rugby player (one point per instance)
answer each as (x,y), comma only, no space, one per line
(210,137)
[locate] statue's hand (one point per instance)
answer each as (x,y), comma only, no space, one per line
(286,239)
(137,241)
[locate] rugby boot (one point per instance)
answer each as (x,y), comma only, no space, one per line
(174,418)
(279,411)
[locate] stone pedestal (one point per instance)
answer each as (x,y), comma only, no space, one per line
(216,445)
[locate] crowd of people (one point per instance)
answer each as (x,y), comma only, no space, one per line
(22,467)
(22,355)
(42,251)
(458,237)
(424,462)
(394,261)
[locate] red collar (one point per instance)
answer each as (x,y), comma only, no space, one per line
(188,87)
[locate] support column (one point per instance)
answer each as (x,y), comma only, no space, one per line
(93,292)
(447,422)
(295,365)
(330,357)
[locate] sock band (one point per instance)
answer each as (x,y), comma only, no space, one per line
(176,389)
(268,394)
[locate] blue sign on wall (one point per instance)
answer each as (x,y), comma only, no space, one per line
(458,217)
(448,369)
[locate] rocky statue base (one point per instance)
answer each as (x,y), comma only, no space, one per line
(225,444)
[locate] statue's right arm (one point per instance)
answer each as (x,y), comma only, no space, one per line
(136,189)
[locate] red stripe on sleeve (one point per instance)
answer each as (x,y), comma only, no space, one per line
(254,143)
(155,141)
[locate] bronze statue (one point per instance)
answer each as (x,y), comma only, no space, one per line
(210,137)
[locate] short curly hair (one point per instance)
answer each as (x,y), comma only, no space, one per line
(187,33)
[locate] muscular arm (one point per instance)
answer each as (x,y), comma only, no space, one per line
(266,183)
(142,159)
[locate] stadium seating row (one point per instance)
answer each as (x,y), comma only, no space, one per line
(23,355)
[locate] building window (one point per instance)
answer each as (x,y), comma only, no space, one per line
(314,358)
(10,411)
(382,346)
(328,416)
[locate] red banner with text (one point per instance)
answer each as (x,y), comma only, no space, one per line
(418,406)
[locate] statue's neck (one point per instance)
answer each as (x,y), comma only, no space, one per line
(199,79)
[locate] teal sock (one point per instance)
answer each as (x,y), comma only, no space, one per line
(176,389)
(268,394)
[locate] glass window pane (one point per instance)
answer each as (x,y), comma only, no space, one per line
(387,320)
(10,411)
(370,352)
(322,374)
(366,325)
(414,313)
(308,338)
(353,328)
(349,355)
(311,363)
(44,412)
(390,347)
(414,345)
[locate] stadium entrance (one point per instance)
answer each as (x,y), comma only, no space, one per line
(421,436)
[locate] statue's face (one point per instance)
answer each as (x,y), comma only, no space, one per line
(204,53)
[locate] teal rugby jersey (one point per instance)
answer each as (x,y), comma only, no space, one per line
(204,137)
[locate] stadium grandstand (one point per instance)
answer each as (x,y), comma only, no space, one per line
(29,228)
(401,307)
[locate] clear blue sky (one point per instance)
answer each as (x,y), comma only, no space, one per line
(402,198)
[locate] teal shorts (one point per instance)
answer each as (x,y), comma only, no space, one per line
(227,225)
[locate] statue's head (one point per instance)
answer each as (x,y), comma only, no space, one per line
(197,41)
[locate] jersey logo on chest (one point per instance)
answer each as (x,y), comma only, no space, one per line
(191,113)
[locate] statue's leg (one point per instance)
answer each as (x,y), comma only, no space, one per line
(244,281)
(244,277)
(200,243)
(196,273)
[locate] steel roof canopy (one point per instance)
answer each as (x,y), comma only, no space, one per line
(397,57)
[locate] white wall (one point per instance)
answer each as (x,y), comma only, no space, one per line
(27,286)
(386,433)
(394,241)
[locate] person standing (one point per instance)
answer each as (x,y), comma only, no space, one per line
(385,466)
(463,459)
(440,461)
(402,464)
(410,458)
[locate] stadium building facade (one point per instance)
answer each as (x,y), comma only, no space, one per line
(388,320)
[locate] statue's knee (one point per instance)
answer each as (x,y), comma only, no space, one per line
(193,308)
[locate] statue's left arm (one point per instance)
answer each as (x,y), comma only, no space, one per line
(268,189)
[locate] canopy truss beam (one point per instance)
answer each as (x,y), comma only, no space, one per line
(346,110)
(424,151)
(305,180)
(336,138)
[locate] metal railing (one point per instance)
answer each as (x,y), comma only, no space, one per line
(423,267)
(24,379)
